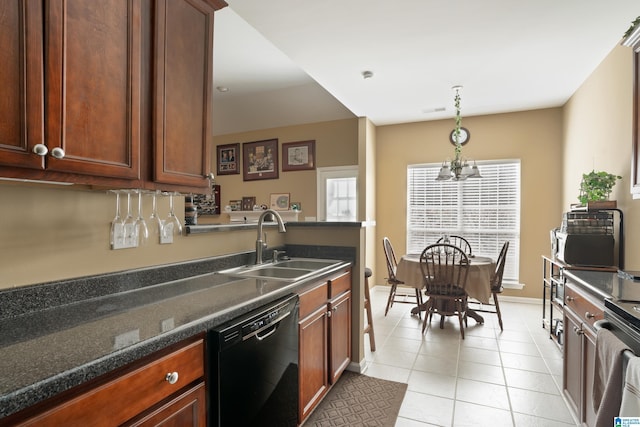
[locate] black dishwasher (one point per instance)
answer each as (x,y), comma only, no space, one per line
(253,368)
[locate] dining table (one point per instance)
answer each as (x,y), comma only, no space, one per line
(478,286)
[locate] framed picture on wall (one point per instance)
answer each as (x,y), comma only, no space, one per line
(228,159)
(279,201)
(298,156)
(260,160)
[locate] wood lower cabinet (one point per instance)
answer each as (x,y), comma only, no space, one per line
(144,394)
(581,310)
(186,410)
(339,326)
(324,339)
(313,369)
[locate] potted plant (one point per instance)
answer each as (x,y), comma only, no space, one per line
(596,186)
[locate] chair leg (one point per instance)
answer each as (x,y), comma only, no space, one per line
(427,314)
(419,302)
(495,300)
(460,320)
(367,308)
(392,295)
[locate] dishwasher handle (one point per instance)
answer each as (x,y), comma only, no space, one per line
(273,325)
(271,332)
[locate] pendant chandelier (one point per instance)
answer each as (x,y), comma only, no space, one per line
(459,168)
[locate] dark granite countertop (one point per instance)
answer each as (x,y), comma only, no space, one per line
(605,284)
(53,346)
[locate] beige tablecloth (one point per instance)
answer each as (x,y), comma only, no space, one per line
(478,278)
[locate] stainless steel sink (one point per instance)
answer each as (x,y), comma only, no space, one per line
(276,272)
(306,263)
(289,270)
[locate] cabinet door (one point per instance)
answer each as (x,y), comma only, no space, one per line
(93,87)
(184,75)
(313,367)
(589,357)
(572,372)
(187,409)
(340,335)
(21,80)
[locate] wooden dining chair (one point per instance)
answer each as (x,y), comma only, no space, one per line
(496,286)
(393,282)
(460,242)
(445,268)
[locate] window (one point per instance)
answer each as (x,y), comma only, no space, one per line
(337,193)
(485,211)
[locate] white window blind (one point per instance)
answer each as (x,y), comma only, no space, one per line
(484,211)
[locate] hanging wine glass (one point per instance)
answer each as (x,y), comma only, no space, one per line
(176,226)
(142,231)
(117,225)
(156,222)
(129,224)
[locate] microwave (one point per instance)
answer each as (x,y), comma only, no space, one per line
(589,250)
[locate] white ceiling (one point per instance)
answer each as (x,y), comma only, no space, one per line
(291,62)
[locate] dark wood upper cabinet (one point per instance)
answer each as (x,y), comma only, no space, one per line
(22,82)
(183,80)
(112,93)
(93,87)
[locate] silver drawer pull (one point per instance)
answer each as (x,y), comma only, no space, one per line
(570,298)
(589,315)
(172,377)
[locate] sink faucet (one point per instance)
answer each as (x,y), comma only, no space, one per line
(260,244)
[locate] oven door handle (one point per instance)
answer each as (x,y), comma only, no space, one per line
(602,324)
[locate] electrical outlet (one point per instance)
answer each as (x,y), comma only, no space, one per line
(166,233)
(167,324)
(123,237)
(126,339)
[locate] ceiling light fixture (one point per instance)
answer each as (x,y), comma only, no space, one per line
(367,74)
(222,89)
(458,169)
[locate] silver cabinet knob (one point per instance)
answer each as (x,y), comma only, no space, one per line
(171,377)
(58,153)
(40,149)
(329,313)
(589,315)
(569,299)
(210,175)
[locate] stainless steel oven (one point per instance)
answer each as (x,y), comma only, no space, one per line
(253,368)
(622,318)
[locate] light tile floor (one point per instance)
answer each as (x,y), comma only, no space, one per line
(491,378)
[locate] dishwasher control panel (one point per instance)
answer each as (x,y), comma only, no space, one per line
(253,323)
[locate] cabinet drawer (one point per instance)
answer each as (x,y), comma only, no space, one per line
(313,298)
(339,284)
(131,393)
(584,307)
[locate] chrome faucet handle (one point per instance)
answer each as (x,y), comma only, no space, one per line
(276,255)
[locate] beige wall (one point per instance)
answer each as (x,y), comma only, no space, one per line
(598,135)
(52,232)
(534,137)
(57,232)
(336,145)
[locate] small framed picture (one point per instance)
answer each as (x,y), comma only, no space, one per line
(260,160)
(295,206)
(228,159)
(279,201)
(298,156)
(236,205)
